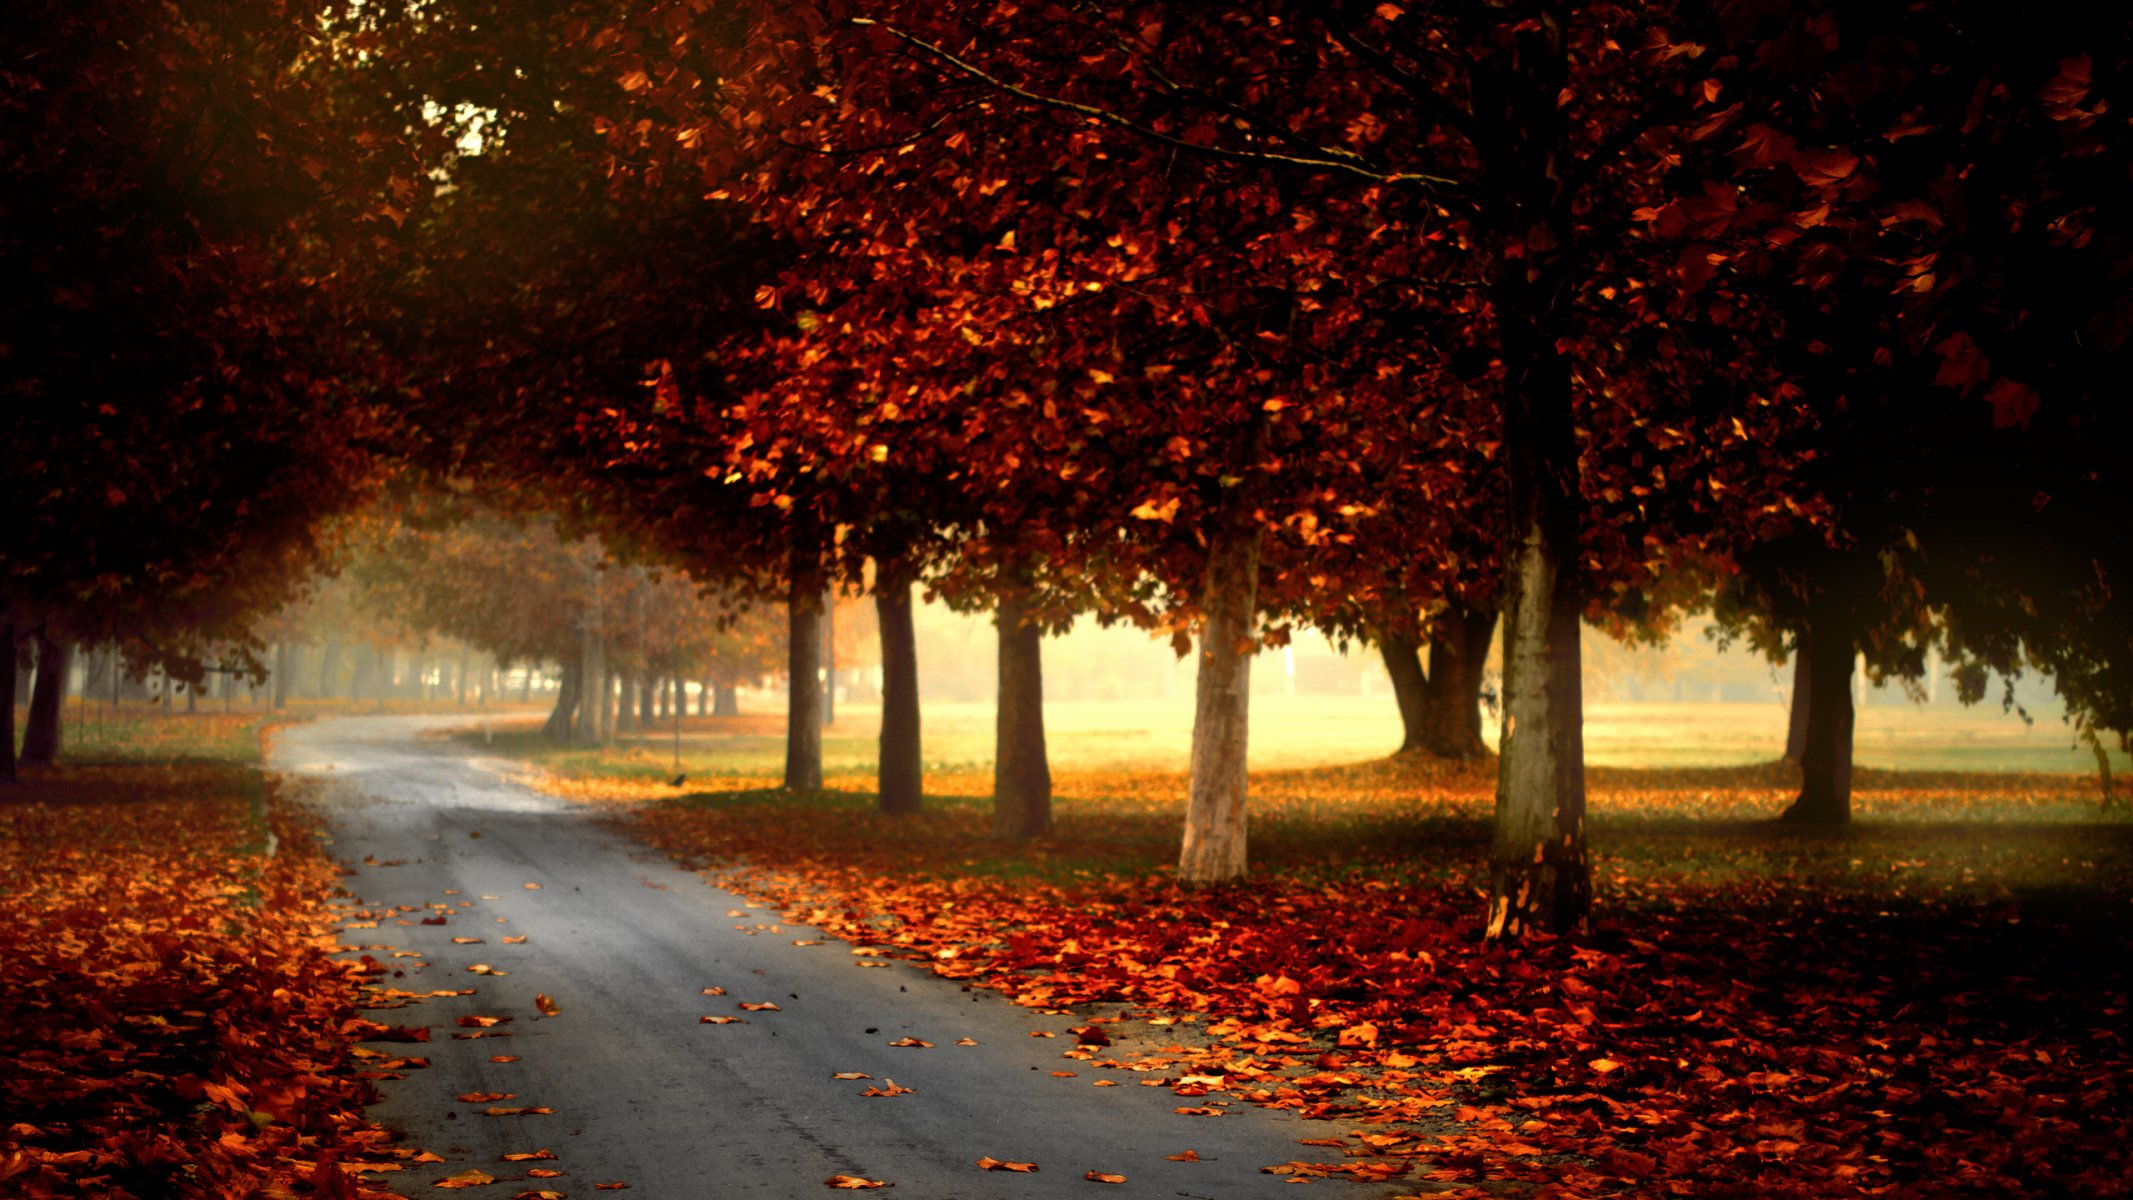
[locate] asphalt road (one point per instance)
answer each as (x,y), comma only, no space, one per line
(646,1094)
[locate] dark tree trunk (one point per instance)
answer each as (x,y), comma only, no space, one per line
(627,706)
(7,705)
(558,728)
(284,663)
(1214,849)
(1459,645)
(591,727)
(647,718)
(725,700)
(1410,690)
(803,651)
(1796,723)
(1826,755)
(459,680)
(1022,772)
(901,784)
(41,734)
(525,686)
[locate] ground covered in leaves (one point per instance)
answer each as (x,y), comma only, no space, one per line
(1932,1002)
(170,1022)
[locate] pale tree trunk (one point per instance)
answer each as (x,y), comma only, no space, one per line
(329,670)
(725,700)
(591,727)
(803,653)
(1796,720)
(1826,753)
(1403,665)
(1458,646)
(41,734)
(1540,879)
(459,680)
(829,659)
(646,717)
(901,783)
(284,663)
(1214,850)
(1022,771)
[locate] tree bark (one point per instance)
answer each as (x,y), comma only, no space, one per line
(1540,879)
(1458,646)
(829,659)
(1022,771)
(647,718)
(7,705)
(901,784)
(1826,752)
(1215,813)
(803,652)
(725,700)
(1796,722)
(329,670)
(591,726)
(558,728)
(1403,664)
(41,735)
(284,662)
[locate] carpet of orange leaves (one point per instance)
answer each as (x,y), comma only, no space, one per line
(170,1022)
(1924,1006)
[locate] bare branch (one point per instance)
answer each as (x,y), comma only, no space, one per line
(1326,162)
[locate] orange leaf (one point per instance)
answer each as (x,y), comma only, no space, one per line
(542,1173)
(763,1006)
(548,1006)
(1100,1177)
(721,1021)
(994,1164)
(494,1111)
(1187,1156)
(465,1179)
(530,1156)
(912,1042)
(853,1183)
(486,1097)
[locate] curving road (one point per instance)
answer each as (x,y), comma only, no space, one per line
(645,1094)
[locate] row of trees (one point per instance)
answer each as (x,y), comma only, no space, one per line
(1382,319)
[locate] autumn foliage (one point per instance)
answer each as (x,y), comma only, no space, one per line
(1784,1015)
(170,1022)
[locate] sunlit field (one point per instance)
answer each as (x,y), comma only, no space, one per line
(1314,731)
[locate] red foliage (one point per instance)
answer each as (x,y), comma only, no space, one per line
(170,1023)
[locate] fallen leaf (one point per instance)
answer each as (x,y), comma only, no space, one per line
(1604,1065)
(965,1041)
(503,1058)
(530,1156)
(851,1075)
(1105,1083)
(465,1179)
(537,1194)
(994,1164)
(853,1183)
(1197,1112)
(484,969)
(533,887)
(1100,1177)
(466,941)
(516,1112)
(1187,1156)
(714,991)
(721,1020)
(479,1022)
(893,1089)
(807,941)
(912,1042)
(486,1097)
(547,1005)
(609,1187)
(759,1006)
(1064,1074)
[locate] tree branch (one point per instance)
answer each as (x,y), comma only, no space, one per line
(1326,162)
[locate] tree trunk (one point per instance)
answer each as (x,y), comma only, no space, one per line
(1458,646)
(1403,664)
(1539,876)
(647,716)
(329,670)
(901,782)
(7,705)
(725,700)
(558,728)
(1214,849)
(1022,772)
(803,652)
(829,659)
(284,662)
(1826,752)
(41,734)
(1796,723)
(659,699)
(591,728)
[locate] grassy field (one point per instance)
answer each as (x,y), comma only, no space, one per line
(1313,731)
